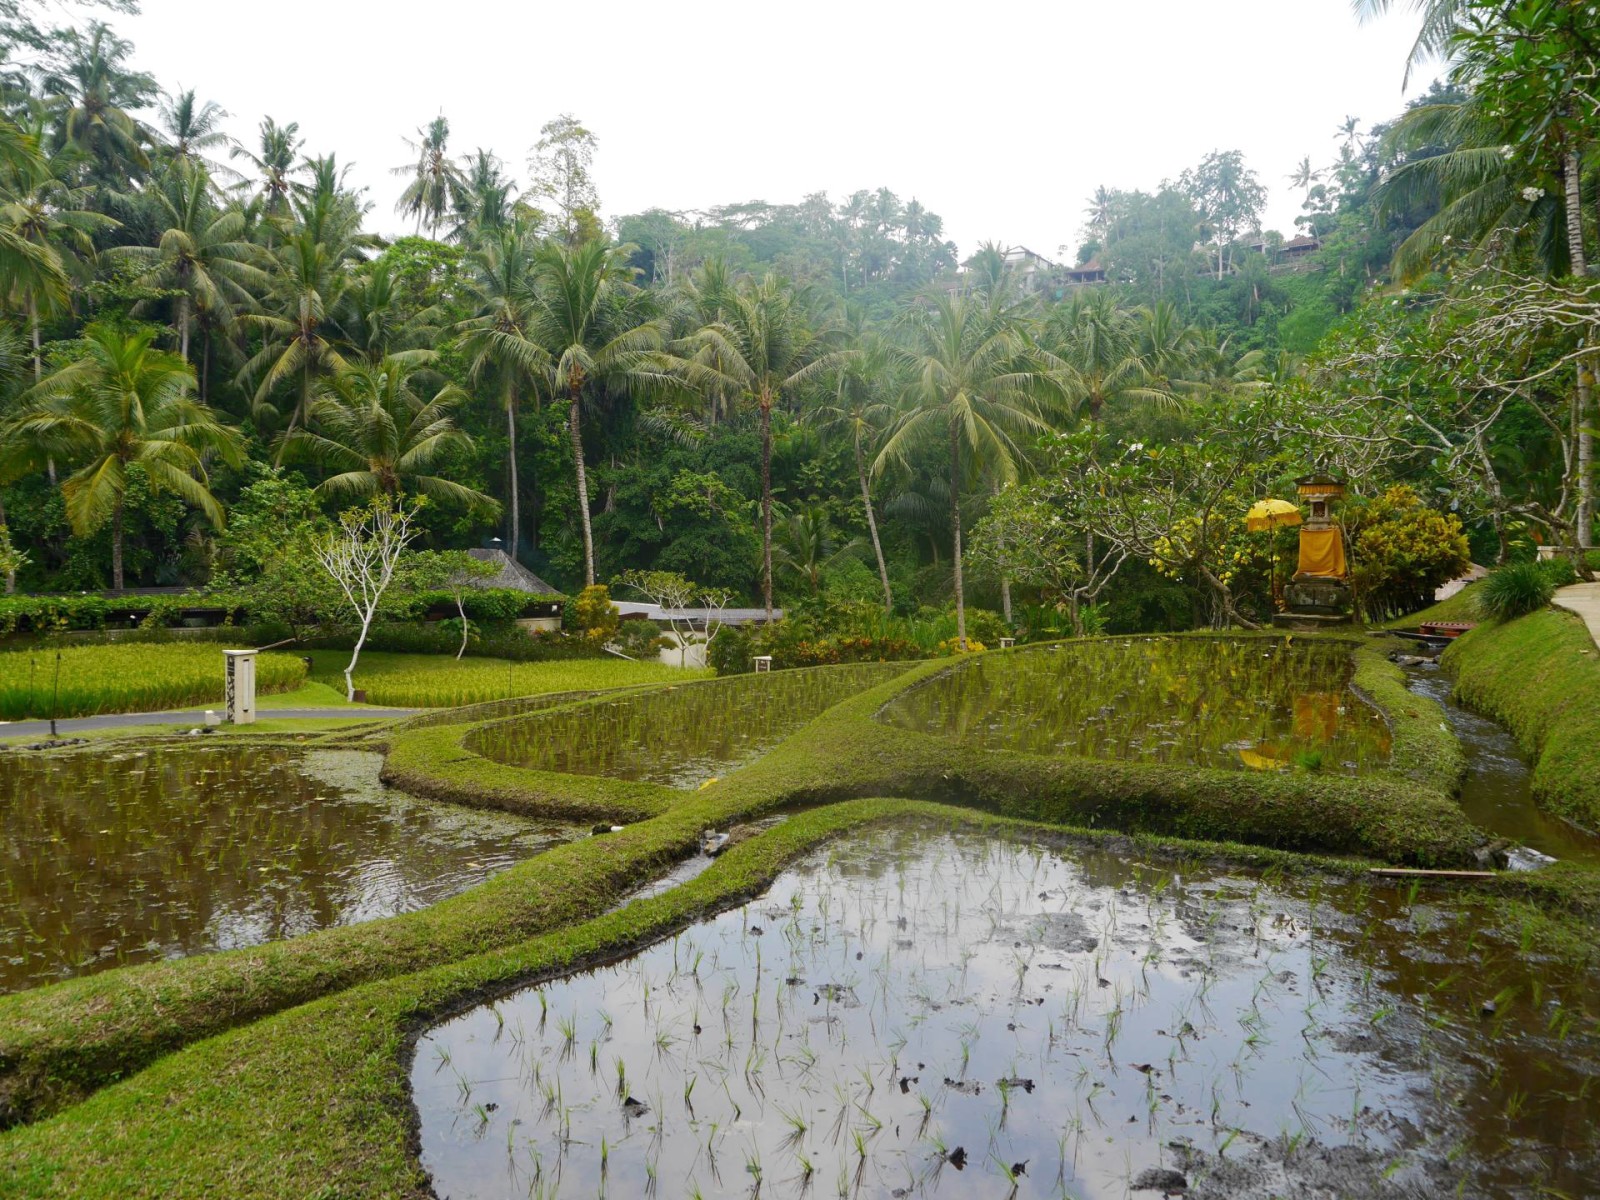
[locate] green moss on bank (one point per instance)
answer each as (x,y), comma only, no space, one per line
(1540,676)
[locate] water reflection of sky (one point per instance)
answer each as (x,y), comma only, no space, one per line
(1147,1008)
(108,859)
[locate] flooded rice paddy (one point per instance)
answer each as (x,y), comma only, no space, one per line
(677,736)
(110,859)
(1215,702)
(921,1014)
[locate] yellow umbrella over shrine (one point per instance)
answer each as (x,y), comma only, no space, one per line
(1267,515)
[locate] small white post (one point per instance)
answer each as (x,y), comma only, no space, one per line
(763,663)
(239,696)
(1007,643)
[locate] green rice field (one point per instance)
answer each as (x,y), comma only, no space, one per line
(433,681)
(139,677)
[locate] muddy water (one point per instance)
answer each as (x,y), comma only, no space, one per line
(678,736)
(1246,703)
(1497,793)
(107,859)
(920,1014)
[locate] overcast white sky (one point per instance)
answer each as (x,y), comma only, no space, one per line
(999,115)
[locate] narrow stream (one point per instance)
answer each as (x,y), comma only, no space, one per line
(1497,793)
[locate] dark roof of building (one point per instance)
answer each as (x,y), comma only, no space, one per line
(1302,242)
(512,574)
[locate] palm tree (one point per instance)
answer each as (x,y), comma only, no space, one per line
(203,255)
(93,94)
(1093,355)
(276,163)
(369,426)
(191,129)
(436,182)
(496,337)
(46,239)
(857,408)
(1305,175)
(596,329)
(125,404)
(972,385)
(807,548)
(310,274)
(765,344)
(1456,170)
(1433,38)
(483,202)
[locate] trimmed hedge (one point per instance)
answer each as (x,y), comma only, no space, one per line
(1540,677)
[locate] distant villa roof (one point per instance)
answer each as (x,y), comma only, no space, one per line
(512,574)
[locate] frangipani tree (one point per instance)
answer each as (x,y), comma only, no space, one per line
(360,556)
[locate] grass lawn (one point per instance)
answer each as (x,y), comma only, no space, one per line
(435,681)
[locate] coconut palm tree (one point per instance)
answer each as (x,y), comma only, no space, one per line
(191,129)
(436,182)
(92,96)
(807,548)
(766,343)
(203,255)
(46,239)
(485,200)
(276,164)
(1433,36)
(496,337)
(596,330)
(1093,355)
(311,271)
(125,404)
(972,385)
(369,426)
(857,407)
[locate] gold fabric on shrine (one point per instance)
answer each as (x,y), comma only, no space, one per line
(1321,554)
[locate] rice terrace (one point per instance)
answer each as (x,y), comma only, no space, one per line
(527,673)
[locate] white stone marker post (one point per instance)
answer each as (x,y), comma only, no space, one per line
(239,696)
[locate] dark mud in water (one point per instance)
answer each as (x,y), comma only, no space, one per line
(920,1014)
(110,859)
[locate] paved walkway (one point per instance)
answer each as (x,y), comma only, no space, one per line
(1583,599)
(179,717)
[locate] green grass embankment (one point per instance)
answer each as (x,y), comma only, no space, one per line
(1540,677)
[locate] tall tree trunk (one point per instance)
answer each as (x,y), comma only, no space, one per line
(766,500)
(11,576)
(872,526)
(116,545)
(1005,576)
(205,365)
(513,504)
(575,431)
(33,329)
(1572,177)
(955,527)
(183,327)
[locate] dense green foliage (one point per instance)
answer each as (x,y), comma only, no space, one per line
(762,399)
